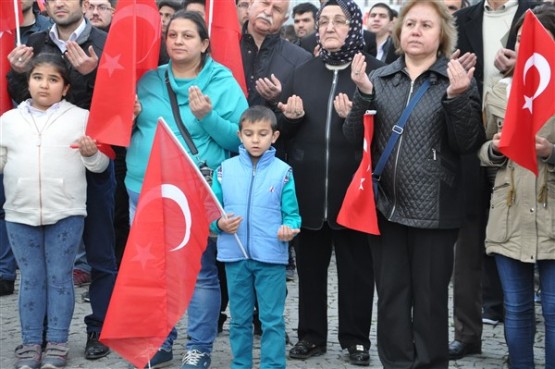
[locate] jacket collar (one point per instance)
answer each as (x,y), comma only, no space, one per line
(264,160)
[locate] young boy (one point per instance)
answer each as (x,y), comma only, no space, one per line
(257,192)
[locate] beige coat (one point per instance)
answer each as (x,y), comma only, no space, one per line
(521,221)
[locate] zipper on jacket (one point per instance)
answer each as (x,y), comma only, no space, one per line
(39,145)
(397,160)
(434,154)
(249,208)
(328,134)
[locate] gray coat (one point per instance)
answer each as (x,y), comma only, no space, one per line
(420,185)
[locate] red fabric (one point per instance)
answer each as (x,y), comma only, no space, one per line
(131,49)
(532,98)
(41,5)
(358,211)
(162,258)
(225,35)
(7,42)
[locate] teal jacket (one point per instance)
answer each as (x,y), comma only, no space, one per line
(264,196)
(215,136)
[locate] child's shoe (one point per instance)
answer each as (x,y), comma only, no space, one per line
(28,356)
(55,356)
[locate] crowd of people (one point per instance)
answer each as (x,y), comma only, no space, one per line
(450,205)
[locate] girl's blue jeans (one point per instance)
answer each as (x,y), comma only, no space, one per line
(45,257)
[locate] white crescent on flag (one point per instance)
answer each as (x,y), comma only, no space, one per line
(544,70)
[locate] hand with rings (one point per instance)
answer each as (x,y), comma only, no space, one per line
(19,57)
(358,75)
(342,105)
(293,109)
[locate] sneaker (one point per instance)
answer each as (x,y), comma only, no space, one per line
(28,356)
(490,321)
(55,356)
(81,278)
(161,359)
(290,275)
(86,297)
(195,359)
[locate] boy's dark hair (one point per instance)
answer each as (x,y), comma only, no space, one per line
(305,8)
(258,113)
(386,7)
(170,3)
(55,60)
(187,2)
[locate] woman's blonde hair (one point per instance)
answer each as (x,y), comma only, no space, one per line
(448,36)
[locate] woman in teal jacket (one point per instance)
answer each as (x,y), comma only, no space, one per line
(210,103)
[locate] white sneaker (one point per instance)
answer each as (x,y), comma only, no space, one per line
(195,359)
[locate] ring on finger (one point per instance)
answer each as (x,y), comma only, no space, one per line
(20,59)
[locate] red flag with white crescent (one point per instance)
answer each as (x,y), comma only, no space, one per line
(162,257)
(10,19)
(358,210)
(532,97)
(131,49)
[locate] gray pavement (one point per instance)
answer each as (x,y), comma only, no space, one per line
(494,355)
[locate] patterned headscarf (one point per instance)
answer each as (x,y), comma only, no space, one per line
(354,42)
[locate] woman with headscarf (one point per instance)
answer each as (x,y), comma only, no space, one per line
(315,104)
(419,194)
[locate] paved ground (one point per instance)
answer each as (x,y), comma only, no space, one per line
(494,350)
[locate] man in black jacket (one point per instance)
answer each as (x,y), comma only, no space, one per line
(81,44)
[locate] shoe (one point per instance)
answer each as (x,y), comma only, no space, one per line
(6,287)
(81,278)
(28,356)
(195,359)
(287,340)
(358,355)
(458,349)
(94,348)
(538,296)
(257,326)
(55,356)
(290,275)
(161,359)
(86,297)
(305,349)
(490,321)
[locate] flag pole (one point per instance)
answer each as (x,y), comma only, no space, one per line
(222,211)
(210,17)
(16,15)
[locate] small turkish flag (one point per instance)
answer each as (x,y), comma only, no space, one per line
(532,98)
(358,211)
(162,257)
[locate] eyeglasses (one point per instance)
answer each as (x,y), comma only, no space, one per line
(100,8)
(243,5)
(335,22)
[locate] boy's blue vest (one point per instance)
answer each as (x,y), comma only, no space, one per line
(255,195)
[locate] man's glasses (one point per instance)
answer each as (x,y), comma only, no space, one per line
(100,8)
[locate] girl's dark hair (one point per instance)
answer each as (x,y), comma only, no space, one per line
(545,14)
(202,30)
(55,60)
(257,113)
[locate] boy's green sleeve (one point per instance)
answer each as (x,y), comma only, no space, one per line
(289,205)
(217,189)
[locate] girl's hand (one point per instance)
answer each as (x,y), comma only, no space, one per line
(342,105)
(459,78)
(286,234)
(495,141)
(200,104)
(359,76)
(293,109)
(229,223)
(87,146)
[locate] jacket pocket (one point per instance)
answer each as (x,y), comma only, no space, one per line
(498,222)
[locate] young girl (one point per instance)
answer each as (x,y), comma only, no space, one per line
(45,187)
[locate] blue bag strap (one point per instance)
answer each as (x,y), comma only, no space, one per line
(397,131)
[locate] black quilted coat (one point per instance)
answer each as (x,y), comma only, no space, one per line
(420,185)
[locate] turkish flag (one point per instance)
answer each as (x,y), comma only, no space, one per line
(225,37)
(8,25)
(131,49)
(162,258)
(532,98)
(358,210)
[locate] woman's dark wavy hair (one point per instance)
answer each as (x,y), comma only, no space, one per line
(202,30)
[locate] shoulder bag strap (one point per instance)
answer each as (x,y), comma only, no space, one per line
(180,125)
(397,131)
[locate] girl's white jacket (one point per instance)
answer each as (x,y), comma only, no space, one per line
(44,178)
